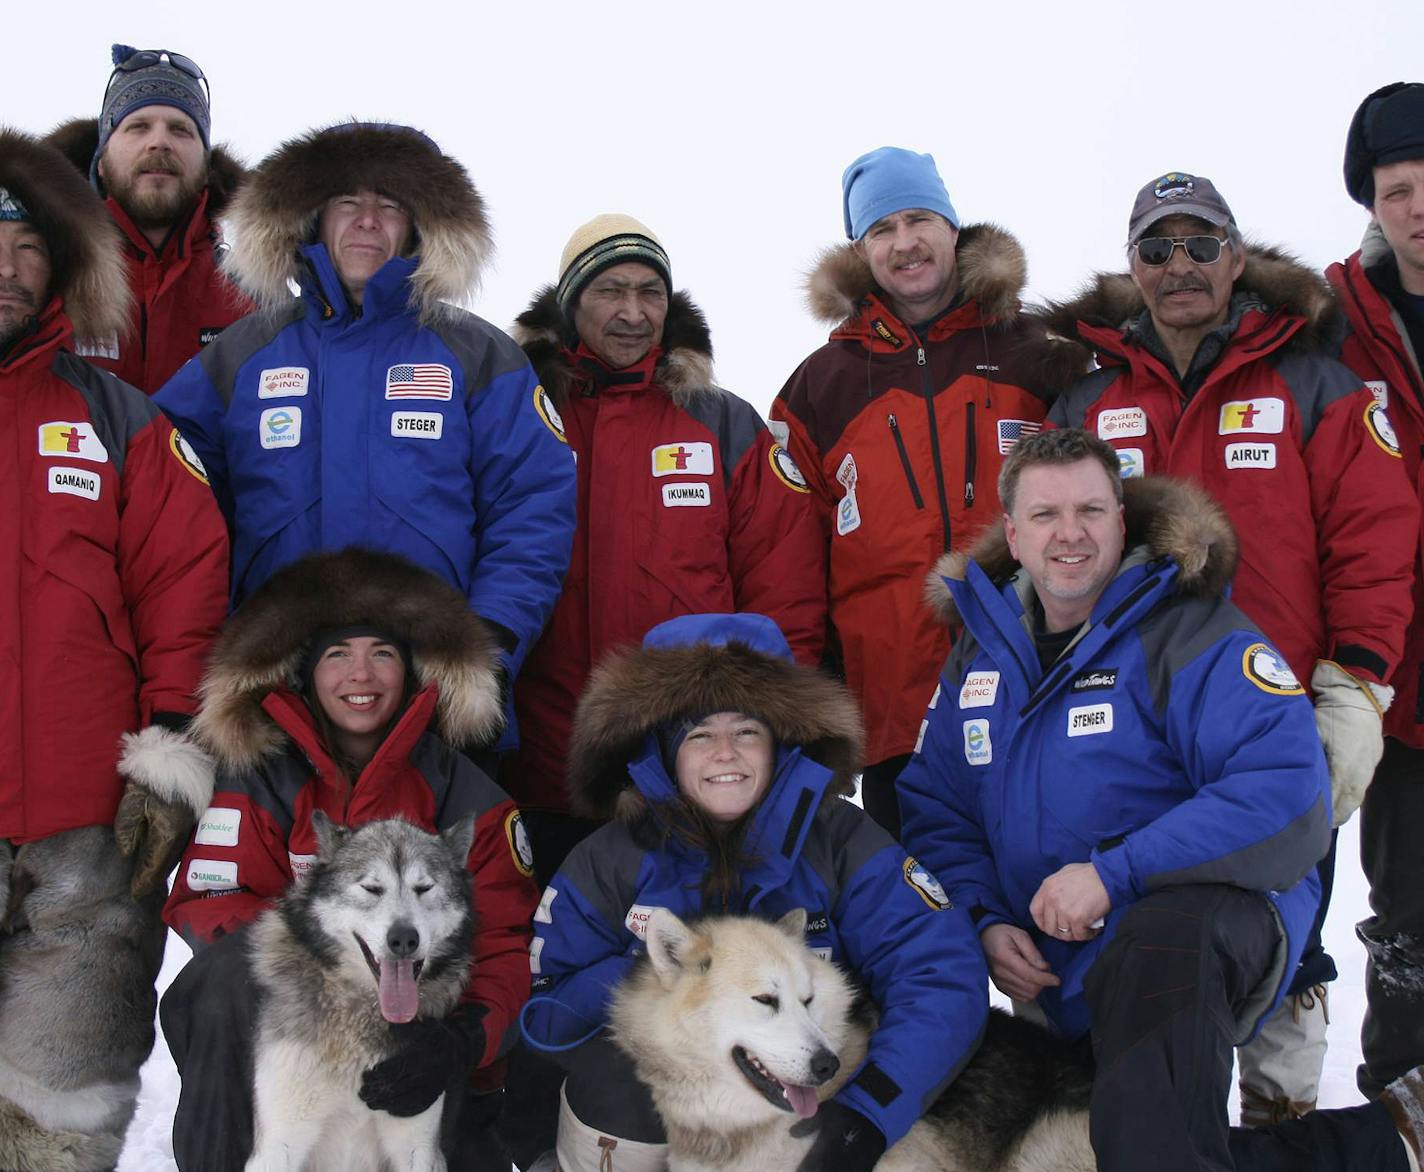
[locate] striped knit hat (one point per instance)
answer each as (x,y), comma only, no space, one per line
(607,240)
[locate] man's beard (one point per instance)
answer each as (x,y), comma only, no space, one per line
(156,209)
(15,320)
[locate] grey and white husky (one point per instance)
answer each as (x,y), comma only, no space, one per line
(378,932)
(733,1082)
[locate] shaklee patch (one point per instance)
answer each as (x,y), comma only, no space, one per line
(218,826)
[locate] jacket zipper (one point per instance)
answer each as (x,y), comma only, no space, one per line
(905,462)
(928,392)
(971,453)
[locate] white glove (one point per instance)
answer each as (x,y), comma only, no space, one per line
(1349,714)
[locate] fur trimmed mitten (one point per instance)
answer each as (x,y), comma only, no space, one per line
(1349,715)
(169,783)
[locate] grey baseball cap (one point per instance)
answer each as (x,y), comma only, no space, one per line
(1177,194)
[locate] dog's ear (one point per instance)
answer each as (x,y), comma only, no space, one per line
(329,835)
(673,947)
(459,839)
(793,923)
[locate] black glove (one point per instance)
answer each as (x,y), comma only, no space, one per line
(846,1141)
(432,1055)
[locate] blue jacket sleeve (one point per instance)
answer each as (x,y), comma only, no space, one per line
(939,816)
(921,959)
(1260,817)
(195,408)
(524,508)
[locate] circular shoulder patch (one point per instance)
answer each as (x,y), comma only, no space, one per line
(786,470)
(926,886)
(519,845)
(1263,666)
(187,456)
(1381,429)
(549,413)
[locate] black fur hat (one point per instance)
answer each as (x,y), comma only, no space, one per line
(1387,128)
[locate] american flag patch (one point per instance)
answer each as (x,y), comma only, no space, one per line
(1013,430)
(419,380)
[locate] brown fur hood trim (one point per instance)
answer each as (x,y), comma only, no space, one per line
(1275,277)
(262,646)
(85,247)
(78,139)
(632,692)
(684,371)
(992,271)
(275,212)
(1171,518)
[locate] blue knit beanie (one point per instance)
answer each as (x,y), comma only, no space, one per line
(890,180)
(156,83)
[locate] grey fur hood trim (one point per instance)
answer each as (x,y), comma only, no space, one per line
(275,212)
(1272,275)
(262,647)
(684,370)
(85,246)
(992,272)
(1170,518)
(632,692)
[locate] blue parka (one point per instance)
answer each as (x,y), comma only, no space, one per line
(1168,745)
(870,907)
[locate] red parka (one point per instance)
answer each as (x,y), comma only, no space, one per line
(901,439)
(1296,449)
(1377,348)
(686,505)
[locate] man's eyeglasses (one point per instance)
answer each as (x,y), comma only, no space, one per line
(147,58)
(1156,251)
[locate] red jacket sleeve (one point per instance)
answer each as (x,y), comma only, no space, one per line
(1367,522)
(808,458)
(173,566)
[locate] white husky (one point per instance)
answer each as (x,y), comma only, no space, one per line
(740,1032)
(379,932)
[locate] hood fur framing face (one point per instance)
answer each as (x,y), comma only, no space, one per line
(992,272)
(275,212)
(263,644)
(684,370)
(632,692)
(1171,518)
(85,245)
(78,139)
(1275,277)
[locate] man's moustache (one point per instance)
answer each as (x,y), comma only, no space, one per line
(18,292)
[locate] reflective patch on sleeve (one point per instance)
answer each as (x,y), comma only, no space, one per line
(536,947)
(520,847)
(187,456)
(786,469)
(925,885)
(544,405)
(1381,429)
(543,913)
(1263,666)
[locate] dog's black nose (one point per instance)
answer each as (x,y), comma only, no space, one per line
(824,1065)
(403,939)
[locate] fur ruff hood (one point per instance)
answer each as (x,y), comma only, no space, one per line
(263,644)
(276,210)
(992,272)
(632,692)
(684,370)
(78,139)
(1272,275)
(86,255)
(1167,517)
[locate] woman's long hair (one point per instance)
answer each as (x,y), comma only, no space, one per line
(724,844)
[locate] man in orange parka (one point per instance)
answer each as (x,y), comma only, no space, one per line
(149,153)
(900,423)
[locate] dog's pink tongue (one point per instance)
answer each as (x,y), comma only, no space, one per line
(398,995)
(802,1099)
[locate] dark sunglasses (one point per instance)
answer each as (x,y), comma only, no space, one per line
(1156,251)
(147,58)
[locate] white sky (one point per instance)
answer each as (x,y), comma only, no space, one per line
(726,127)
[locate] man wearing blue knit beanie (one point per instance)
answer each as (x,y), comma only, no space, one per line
(900,423)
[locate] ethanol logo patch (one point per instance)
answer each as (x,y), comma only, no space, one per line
(280,427)
(978,749)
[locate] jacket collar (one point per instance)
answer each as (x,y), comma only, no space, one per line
(194,232)
(45,334)
(387,293)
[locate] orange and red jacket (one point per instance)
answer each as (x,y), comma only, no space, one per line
(1377,350)
(257,836)
(182,301)
(1303,460)
(686,505)
(113,580)
(901,439)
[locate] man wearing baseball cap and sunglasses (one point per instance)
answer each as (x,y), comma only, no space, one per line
(150,153)
(1214,366)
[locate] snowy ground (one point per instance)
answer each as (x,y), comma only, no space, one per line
(150,1145)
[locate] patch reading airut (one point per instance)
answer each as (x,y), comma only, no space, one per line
(1250,455)
(1263,666)
(926,886)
